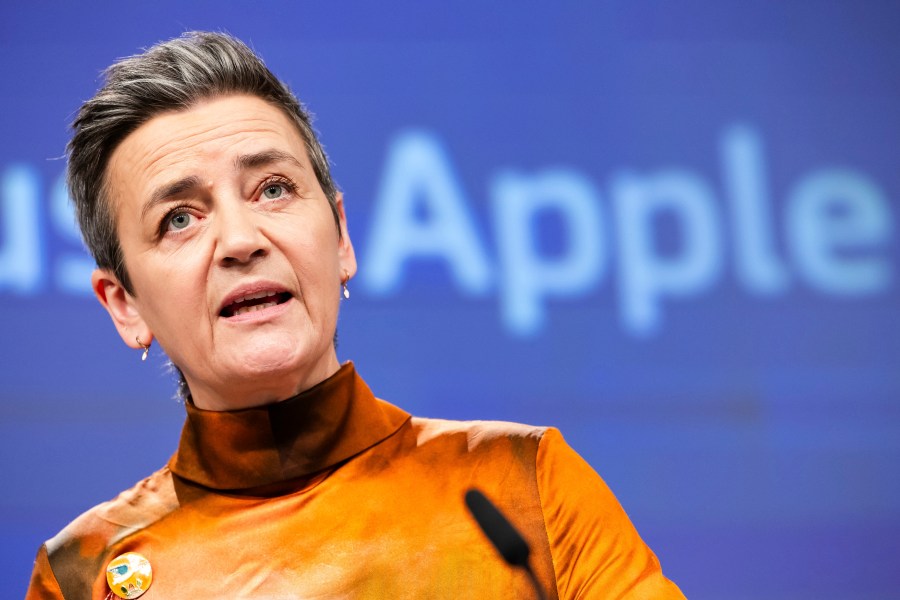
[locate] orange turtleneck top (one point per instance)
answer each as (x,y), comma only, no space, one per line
(337,494)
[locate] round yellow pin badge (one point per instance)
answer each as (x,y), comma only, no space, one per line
(129,575)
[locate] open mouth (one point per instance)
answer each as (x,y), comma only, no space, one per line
(254,302)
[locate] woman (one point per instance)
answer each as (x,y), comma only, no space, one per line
(206,200)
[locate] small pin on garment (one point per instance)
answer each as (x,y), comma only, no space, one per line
(129,575)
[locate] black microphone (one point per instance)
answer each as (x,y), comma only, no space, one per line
(508,542)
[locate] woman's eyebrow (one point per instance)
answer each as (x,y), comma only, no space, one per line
(264,157)
(241,162)
(170,190)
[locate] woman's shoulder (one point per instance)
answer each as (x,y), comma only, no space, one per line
(149,500)
(476,433)
(69,561)
(501,442)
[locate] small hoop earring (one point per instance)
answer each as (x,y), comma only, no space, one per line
(346,291)
(146,348)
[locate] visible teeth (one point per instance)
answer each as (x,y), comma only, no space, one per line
(254,296)
(254,308)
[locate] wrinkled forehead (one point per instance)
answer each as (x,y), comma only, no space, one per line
(199,141)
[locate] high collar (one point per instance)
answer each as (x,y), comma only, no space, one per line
(305,434)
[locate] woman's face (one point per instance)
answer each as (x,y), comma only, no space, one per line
(232,250)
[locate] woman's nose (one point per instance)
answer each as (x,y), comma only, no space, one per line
(239,238)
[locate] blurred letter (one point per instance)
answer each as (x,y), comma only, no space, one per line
(526,276)
(756,263)
(832,218)
(645,276)
(420,212)
(73,270)
(20,254)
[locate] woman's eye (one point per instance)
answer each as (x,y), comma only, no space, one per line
(273,191)
(179,221)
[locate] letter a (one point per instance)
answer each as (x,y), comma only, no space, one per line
(420,213)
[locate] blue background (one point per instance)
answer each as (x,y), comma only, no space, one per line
(749,422)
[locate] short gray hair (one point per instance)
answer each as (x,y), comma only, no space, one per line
(170,76)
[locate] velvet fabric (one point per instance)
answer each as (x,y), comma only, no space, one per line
(337,494)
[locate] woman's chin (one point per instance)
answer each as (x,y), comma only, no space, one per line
(259,370)
(273,359)
(268,358)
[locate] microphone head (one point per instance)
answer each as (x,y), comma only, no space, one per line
(508,542)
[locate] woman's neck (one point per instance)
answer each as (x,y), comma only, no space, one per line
(267,388)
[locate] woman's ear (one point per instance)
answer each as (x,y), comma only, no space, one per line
(120,305)
(346,255)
